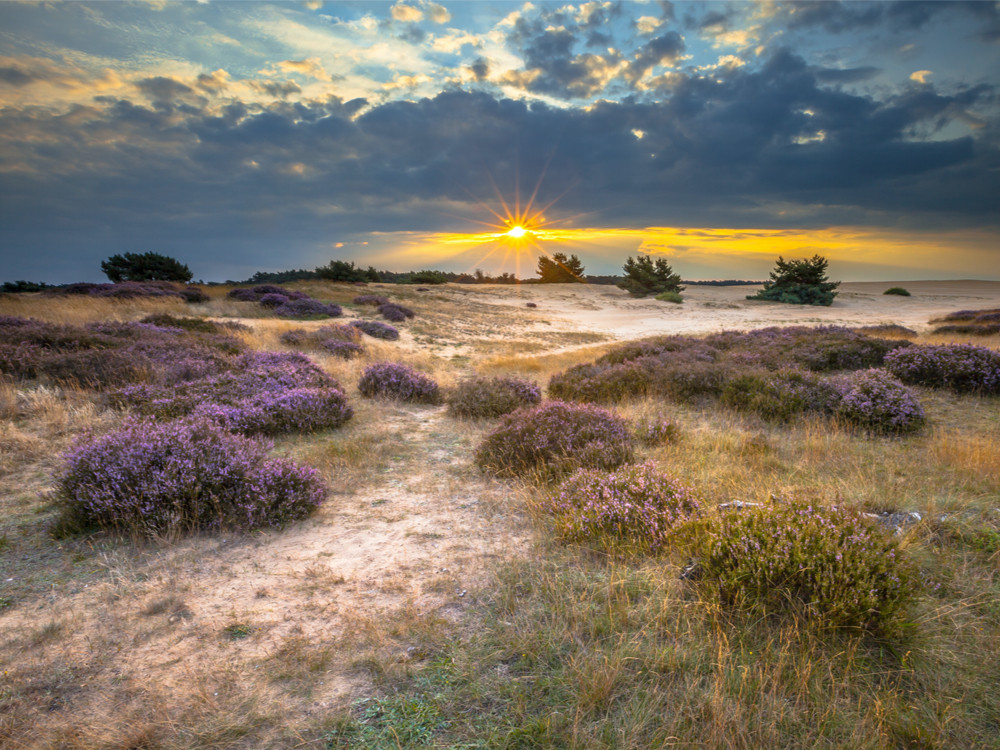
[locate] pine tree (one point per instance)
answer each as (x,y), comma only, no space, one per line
(799,282)
(644,276)
(559,269)
(145,267)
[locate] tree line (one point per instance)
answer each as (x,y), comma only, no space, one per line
(802,282)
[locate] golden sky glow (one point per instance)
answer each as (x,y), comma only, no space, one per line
(855,253)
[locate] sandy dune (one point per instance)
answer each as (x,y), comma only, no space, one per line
(610,310)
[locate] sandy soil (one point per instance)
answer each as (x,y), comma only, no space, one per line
(610,310)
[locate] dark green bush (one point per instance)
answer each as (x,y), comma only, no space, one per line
(897,290)
(779,396)
(830,565)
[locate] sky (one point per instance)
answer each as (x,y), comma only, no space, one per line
(242,136)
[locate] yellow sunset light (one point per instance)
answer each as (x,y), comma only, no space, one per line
(517,232)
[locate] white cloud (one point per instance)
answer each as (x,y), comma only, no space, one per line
(438,13)
(406,13)
(647,24)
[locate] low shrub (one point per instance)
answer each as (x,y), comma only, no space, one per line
(194,294)
(307,309)
(655,430)
(554,438)
(342,349)
(780,396)
(165,320)
(965,368)
(376,330)
(674,297)
(635,505)
(876,401)
(897,290)
(965,316)
(272,300)
(396,381)
(491,397)
(395,313)
(374,300)
(602,383)
(152,479)
(281,411)
(830,565)
(969,329)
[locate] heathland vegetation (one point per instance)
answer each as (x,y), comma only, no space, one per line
(262,518)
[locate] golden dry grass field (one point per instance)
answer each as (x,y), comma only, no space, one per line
(426,604)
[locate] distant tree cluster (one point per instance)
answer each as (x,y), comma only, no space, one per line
(16,287)
(799,282)
(341,270)
(145,267)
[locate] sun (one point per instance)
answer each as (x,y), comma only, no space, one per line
(516,231)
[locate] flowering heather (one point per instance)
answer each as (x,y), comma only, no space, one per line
(272,300)
(554,438)
(876,401)
(155,479)
(123,290)
(978,327)
(307,308)
(966,368)
(634,504)
(396,381)
(254,381)
(491,397)
(779,396)
(244,295)
(376,330)
(837,566)
(370,299)
(281,411)
(967,316)
(395,313)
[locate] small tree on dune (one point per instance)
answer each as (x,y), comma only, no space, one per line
(145,267)
(559,269)
(799,282)
(644,276)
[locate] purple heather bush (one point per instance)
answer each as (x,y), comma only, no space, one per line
(396,381)
(491,397)
(395,313)
(123,290)
(243,295)
(272,300)
(554,438)
(376,330)
(875,400)
(281,411)
(975,328)
(832,565)
(250,396)
(635,505)
(602,383)
(965,368)
(307,308)
(152,480)
(370,299)
(194,294)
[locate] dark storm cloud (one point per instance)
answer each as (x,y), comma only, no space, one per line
(163,89)
(15,75)
(242,182)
